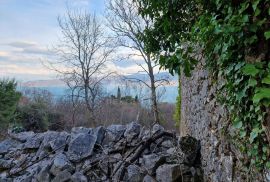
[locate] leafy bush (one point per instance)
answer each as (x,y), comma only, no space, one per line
(33,117)
(56,121)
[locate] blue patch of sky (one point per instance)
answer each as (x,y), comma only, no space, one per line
(36,20)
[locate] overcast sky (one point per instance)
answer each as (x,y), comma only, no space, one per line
(29,28)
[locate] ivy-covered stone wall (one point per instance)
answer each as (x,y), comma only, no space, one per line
(204,118)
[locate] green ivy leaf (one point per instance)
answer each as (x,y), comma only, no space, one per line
(238,124)
(252,39)
(254,134)
(257,108)
(245,18)
(252,82)
(267,164)
(267,35)
(266,103)
(240,95)
(238,66)
(243,134)
(257,12)
(266,80)
(244,6)
(264,149)
(250,70)
(255,4)
(261,93)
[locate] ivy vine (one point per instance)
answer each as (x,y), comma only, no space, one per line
(235,40)
(236,44)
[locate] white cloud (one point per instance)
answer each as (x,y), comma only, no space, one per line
(3,54)
(12,68)
(22,44)
(28,47)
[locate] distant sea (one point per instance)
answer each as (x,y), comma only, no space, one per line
(60,91)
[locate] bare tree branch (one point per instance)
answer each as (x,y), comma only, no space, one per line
(127,24)
(83,55)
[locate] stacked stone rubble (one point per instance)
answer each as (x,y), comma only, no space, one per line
(116,153)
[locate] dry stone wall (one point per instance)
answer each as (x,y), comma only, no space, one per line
(114,153)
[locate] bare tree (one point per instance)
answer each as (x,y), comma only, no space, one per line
(125,21)
(84,51)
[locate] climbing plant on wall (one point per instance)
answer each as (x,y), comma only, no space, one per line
(236,46)
(235,40)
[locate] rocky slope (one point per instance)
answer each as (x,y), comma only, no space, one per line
(116,153)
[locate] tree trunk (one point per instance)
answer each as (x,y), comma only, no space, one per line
(153,91)
(88,106)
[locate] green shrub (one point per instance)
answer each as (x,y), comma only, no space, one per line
(56,121)
(9,99)
(33,117)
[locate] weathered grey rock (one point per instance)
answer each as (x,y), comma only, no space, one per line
(167,144)
(5,179)
(21,159)
(115,158)
(114,132)
(134,174)
(62,176)
(34,142)
(133,130)
(49,137)
(84,166)
(77,130)
(227,167)
(44,174)
(5,164)
(61,163)
(99,132)
(148,178)
(15,170)
(58,144)
(81,146)
(157,129)
(119,165)
(191,148)
(78,177)
(24,178)
(7,145)
(171,151)
(171,172)
(150,161)
(22,136)
(45,146)
(267,175)
(145,134)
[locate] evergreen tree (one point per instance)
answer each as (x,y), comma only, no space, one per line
(9,99)
(136,98)
(118,94)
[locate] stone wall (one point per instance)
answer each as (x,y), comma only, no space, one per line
(201,117)
(204,118)
(114,153)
